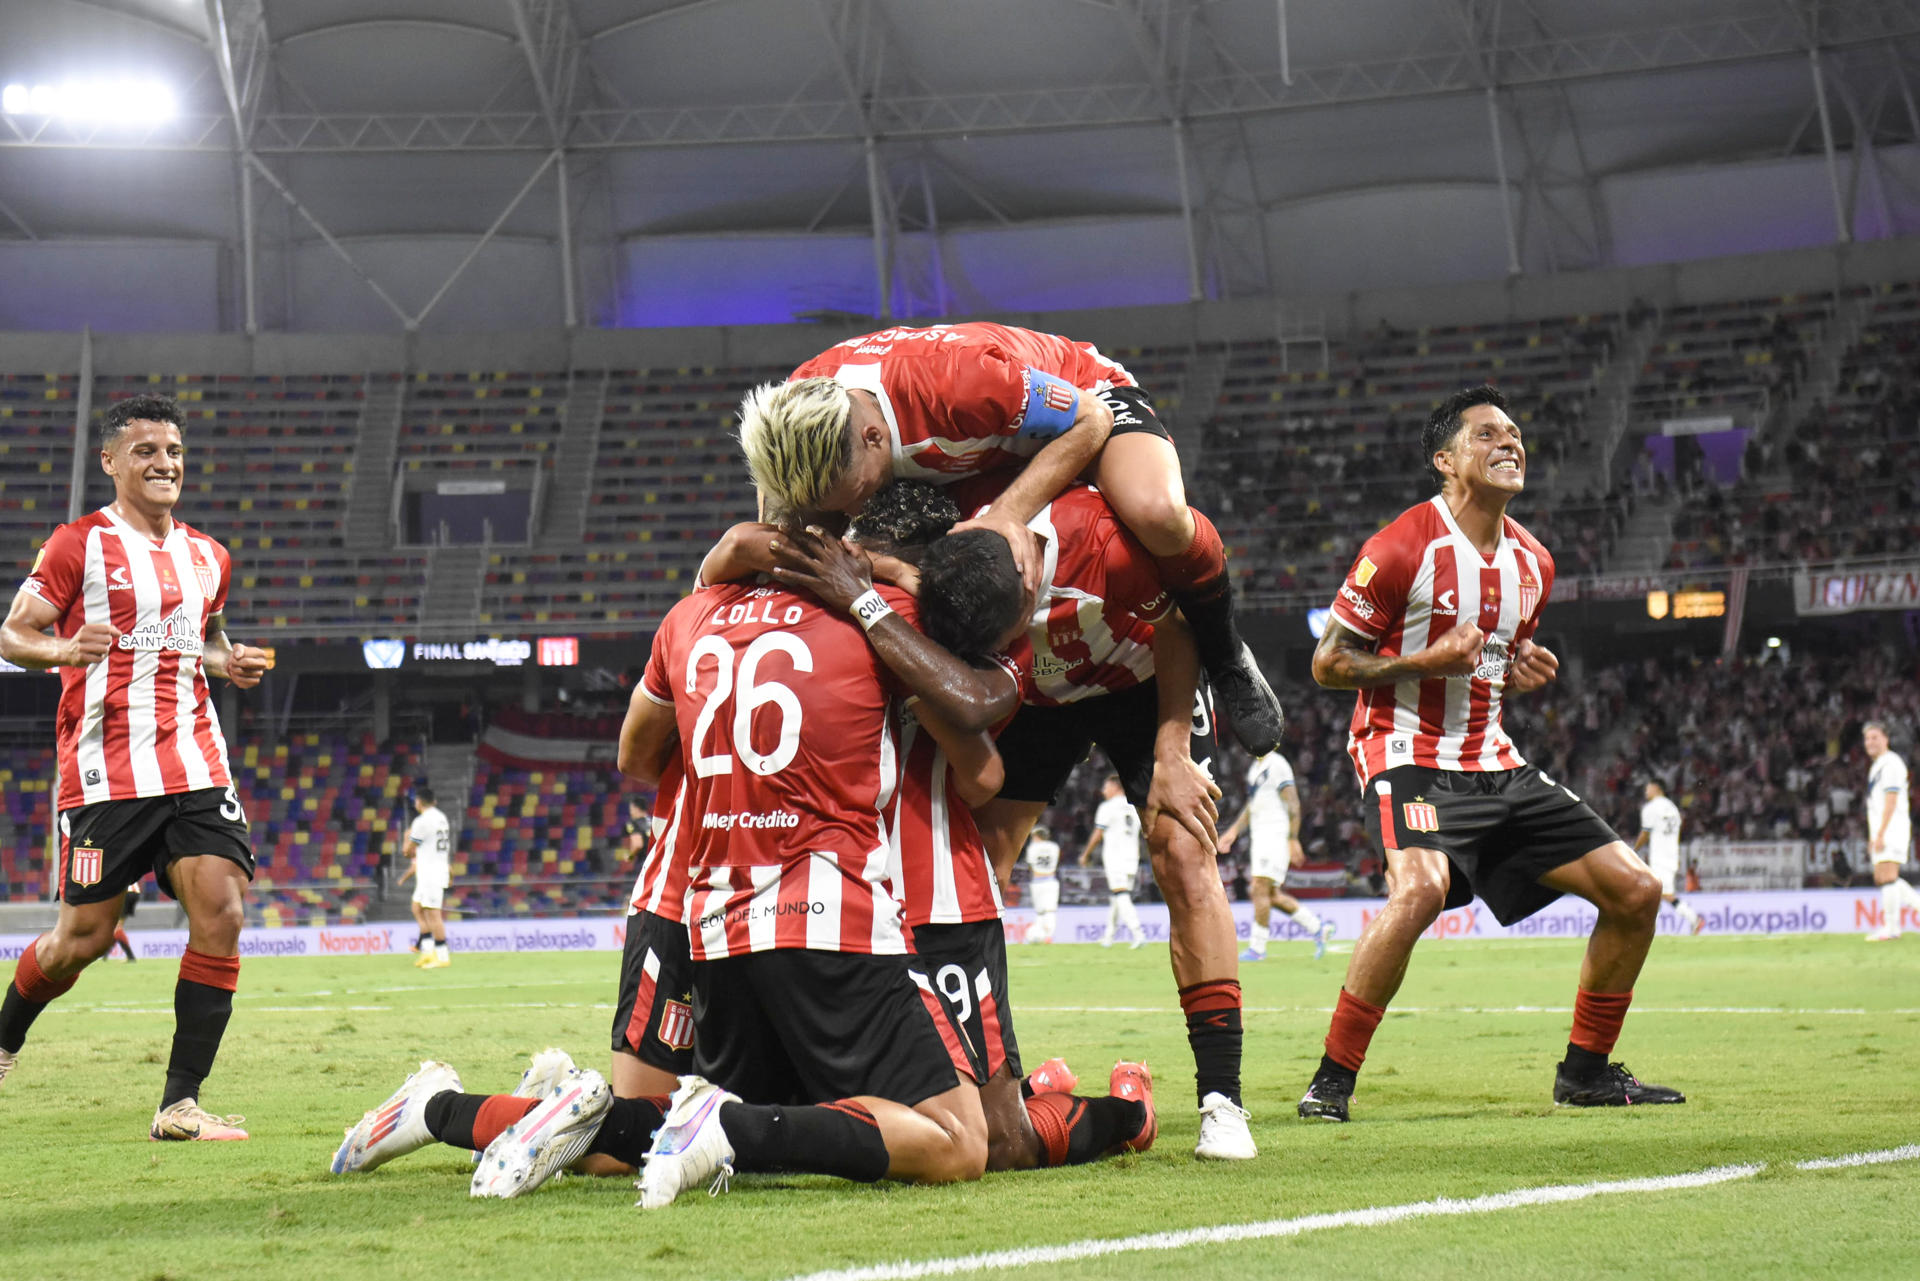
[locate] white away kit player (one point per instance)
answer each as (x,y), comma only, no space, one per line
(1659,844)
(1889,830)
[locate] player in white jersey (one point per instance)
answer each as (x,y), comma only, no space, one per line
(1660,838)
(1272,814)
(135,603)
(430,846)
(1889,830)
(1043,890)
(1116,834)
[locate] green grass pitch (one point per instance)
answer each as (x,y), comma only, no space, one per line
(1789,1049)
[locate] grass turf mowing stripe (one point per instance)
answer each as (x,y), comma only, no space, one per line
(1375,1216)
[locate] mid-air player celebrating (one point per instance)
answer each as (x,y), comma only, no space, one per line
(135,602)
(1272,815)
(1660,838)
(1036,410)
(1889,830)
(1434,627)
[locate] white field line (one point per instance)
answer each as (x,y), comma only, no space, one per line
(1374,1216)
(1907,1152)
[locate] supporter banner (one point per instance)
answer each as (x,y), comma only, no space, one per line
(1769,912)
(1748,865)
(529,751)
(1844,591)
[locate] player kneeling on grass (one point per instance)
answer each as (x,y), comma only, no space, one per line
(1434,627)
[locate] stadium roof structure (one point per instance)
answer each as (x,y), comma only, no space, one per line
(883,156)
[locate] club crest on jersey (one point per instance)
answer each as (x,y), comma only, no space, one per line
(1529,597)
(1418,816)
(675,1028)
(86,865)
(209,580)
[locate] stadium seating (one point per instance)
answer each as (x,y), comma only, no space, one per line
(541,842)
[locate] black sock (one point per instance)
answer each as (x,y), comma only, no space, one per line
(450,1116)
(421,941)
(627,1131)
(840,1138)
(17,1014)
(1208,606)
(1215,1036)
(200,1015)
(1583,1065)
(1329,1068)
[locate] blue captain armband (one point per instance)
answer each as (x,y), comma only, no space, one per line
(1051,405)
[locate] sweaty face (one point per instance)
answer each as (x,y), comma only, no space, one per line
(1486,452)
(1876,740)
(148,463)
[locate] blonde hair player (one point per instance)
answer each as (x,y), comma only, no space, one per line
(1889,829)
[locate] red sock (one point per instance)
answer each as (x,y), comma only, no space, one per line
(1352,1030)
(1075,1130)
(1202,567)
(497,1112)
(1052,1117)
(222,972)
(33,983)
(120,937)
(1597,1017)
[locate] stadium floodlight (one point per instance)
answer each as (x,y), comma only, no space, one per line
(122,98)
(1773,642)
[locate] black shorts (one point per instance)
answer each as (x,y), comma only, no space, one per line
(654,1019)
(1041,745)
(109,845)
(798,1026)
(1502,830)
(1132,411)
(966,966)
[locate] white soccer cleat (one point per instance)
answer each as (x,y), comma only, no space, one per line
(543,1073)
(187,1121)
(690,1147)
(399,1125)
(547,1139)
(6,1063)
(1883,936)
(1224,1135)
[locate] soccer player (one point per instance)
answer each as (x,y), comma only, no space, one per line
(1272,814)
(802,980)
(1660,837)
(135,601)
(429,849)
(1434,627)
(1116,834)
(1104,659)
(1043,886)
(1038,411)
(1889,830)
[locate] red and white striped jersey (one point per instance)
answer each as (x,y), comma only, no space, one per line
(791,767)
(940,872)
(1092,633)
(1414,581)
(661,886)
(964,399)
(140,722)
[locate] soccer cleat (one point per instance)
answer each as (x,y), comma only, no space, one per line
(690,1147)
(1320,937)
(1224,1135)
(543,1073)
(421,959)
(547,1139)
(1249,702)
(1251,955)
(8,1060)
(1053,1077)
(1699,923)
(1883,936)
(1326,1099)
(399,1125)
(437,963)
(186,1120)
(1613,1088)
(1139,941)
(1133,1081)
